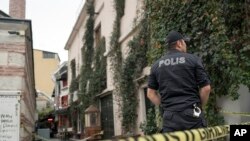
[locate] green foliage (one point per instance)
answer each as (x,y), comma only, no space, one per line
(132,69)
(93,71)
(220,36)
(73,87)
(87,57)
(81,82)
(98,80)
(73,68)
(72,113)
(74,80)
(115,50)
(149,126)
(45,112)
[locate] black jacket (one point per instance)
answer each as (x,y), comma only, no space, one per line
(178,77)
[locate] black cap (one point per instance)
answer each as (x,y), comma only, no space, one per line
(174,36)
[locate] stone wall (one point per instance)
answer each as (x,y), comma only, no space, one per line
(16,70)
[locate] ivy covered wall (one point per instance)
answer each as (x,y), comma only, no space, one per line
(92,79)
(220,32)
(126,71)
(220,36)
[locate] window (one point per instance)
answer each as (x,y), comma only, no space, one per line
(59,88)
(98,36)
(93,119)
(48,54)
(64,101)
(79,125)
(107,117)
(73,69)
(64,83)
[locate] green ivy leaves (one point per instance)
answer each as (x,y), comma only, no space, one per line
(220,36)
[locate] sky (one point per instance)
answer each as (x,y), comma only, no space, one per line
(52,22)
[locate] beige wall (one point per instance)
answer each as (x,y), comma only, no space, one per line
(105,18)
(128,26)
(44,69)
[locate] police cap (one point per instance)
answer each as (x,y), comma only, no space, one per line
(174,36)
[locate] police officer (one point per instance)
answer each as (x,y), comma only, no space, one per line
(183,86)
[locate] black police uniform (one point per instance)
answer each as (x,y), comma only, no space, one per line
(178,77)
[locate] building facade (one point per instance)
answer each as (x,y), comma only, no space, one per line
(17,74)
(62,99)
(103,28)
(104,19)
(45,64)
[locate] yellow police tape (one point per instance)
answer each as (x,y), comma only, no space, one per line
(236,113)
(202,134)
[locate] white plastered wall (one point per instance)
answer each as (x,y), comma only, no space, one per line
(240,105)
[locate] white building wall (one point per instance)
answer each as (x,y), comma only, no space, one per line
(105,16)
(141,111)
(107,21)
(64,90)
(80,45)
(128,30)
(75,53)
(240,105)
(127,21)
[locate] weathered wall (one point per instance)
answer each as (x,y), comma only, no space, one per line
(16,71)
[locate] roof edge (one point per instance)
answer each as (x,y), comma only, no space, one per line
(76,27)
